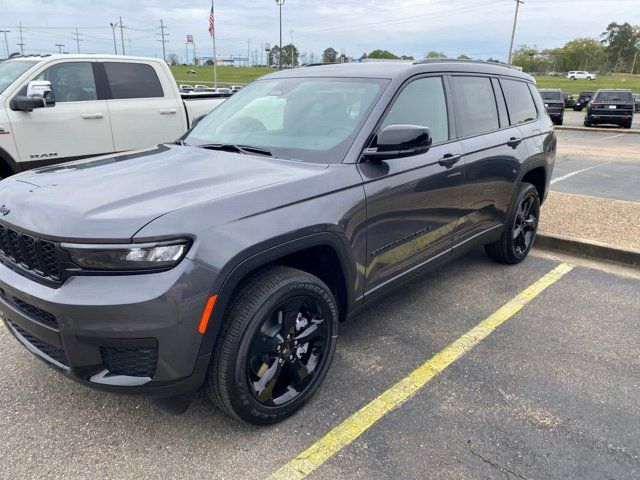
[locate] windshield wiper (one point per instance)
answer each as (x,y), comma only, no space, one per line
(230,147)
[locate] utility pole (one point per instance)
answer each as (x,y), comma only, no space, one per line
(6,42)
(77,38)
(633,67)
(293,60)
(513,32)
(122,35)
(248,51)
(21,44)
(163,27)
(280,3)
(60,45)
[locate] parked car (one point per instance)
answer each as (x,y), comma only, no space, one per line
(186,88)
(191,72)
(581,75)
(225,261)
(583,100)
(554,103)
(64,107)
(221,90)
(613,106)
(636,100)
(569,101)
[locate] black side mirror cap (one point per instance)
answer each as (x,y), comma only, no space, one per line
(29,104)
(399,140)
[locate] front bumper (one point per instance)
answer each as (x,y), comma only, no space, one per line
(129,333)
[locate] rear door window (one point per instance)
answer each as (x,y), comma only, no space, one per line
(475,105)
(133,80)
(519,101)
(423,103)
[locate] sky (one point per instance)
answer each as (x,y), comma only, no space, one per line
(477,28)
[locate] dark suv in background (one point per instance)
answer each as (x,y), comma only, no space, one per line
(554,103)
(614,106)
(583,100)
(226,260)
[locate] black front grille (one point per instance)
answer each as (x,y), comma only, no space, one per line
(49,350)
(132,362)
(36,313)
(33,254)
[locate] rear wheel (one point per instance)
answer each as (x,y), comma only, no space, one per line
(587,123)
(276,346)
(522,225)
(627,124)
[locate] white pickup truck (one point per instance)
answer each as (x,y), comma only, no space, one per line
(65,107)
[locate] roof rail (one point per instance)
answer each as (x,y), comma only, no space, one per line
(318,64)
(461,60)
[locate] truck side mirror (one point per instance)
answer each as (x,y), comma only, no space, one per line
(397,141)
(39,95)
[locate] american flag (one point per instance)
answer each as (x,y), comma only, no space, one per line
(211,30)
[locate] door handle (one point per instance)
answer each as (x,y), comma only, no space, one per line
(170,111)
(514,142)
(92,116)
(449,160)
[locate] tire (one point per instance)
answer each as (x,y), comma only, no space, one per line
(587,123)
(256,370)
(521,228)
(627,125)
(573,78)
(588,78)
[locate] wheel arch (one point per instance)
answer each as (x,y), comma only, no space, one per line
(8,165)
(324,255)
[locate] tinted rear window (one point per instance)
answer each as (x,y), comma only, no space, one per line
(613,97)
(133,80)
(519,101)
(475,105)
(552,96)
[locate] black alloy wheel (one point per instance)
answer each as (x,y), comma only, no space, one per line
(287,351)
(521,227)
(275,347)
(526,224)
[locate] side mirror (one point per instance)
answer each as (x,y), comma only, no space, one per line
(39,95)
(396,141)
(196,120)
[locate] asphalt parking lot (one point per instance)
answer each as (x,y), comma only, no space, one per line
(576,119)
(553,393)
(600,164)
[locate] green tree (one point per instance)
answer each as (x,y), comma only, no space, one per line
(286,55)
(329,55)
(622,42)
(274,56)
(383,54)
(463,57)
(581,54)
(434,54)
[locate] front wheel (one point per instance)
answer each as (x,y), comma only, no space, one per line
(520,232)
(276,345)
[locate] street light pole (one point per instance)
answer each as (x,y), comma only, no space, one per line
(513,31)
(113,30)
(280,3)
(293,60)
(60,45)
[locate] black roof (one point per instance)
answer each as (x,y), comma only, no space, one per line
(392,70)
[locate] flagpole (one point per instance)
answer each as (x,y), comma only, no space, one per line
(215,57)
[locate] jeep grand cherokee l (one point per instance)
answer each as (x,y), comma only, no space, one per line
(614,106)
(554,103)
(225,261)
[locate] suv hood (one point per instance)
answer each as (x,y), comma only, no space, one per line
(111,198)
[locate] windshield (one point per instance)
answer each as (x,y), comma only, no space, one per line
(306,119)
(11,70)
(552,96)
(613,97)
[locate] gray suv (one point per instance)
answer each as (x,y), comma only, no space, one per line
(226,260)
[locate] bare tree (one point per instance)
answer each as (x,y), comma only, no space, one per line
(173,59)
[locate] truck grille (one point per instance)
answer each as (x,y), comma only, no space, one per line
(50,351)
(132,362)
(32,254)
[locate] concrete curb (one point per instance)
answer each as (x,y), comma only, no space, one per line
(631,131)
(588,248)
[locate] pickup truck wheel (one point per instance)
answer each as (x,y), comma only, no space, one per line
(516,241)
(276,345)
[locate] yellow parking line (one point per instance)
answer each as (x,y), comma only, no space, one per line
(363,419)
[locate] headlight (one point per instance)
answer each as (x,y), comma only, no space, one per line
(148,256)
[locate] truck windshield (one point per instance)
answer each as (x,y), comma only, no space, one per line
(11,70)
(306,119)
